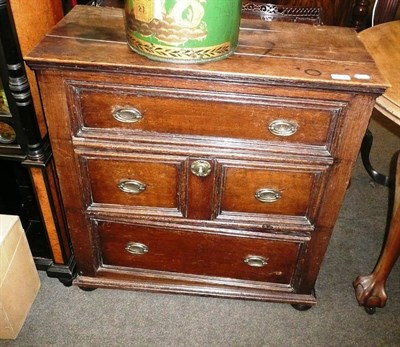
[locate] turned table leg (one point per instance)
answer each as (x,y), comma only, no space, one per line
(370,290)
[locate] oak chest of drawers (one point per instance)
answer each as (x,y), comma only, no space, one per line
(220,179)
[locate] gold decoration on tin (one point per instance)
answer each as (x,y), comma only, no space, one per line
(177,53)
(144,10)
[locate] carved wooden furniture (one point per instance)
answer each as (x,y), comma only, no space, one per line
(383,42)
(220,179)
(352,13)
(28,186)
(272,12)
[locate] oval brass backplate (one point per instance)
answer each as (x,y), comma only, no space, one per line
(127,115)
(255,261)
(132,186)
(136,248)
(267,195)
(282,127)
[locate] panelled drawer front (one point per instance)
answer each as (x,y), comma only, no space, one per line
(267,191)
(197,253)
(134,182)
(202,114)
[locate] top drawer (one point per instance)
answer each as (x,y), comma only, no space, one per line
(145,110)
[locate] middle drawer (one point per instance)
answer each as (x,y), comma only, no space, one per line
(170,186)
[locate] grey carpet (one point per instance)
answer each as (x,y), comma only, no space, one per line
(63,316)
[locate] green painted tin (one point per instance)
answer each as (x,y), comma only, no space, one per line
(183,31)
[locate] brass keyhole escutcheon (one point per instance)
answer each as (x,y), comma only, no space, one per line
(200,168)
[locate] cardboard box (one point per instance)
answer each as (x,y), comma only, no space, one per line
(19,279)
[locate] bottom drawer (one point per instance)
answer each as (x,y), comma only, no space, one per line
(198,253)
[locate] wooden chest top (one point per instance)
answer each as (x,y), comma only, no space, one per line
(268,52)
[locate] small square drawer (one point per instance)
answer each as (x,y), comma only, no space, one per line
(198,253)
(134,183)
(143,111)
(267,191)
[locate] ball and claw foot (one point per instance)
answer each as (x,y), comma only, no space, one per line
(370,292)
(370,310)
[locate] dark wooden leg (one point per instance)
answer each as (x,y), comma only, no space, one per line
(370,290)
(365,152)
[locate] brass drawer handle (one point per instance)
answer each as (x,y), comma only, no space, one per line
(132,186)
(255,261)
(136,248)
(281,127)
(267,195)
(127,115)
(200,168)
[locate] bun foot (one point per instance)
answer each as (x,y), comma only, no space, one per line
(304,307)
(87,289)
(67,282)
(301,307)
